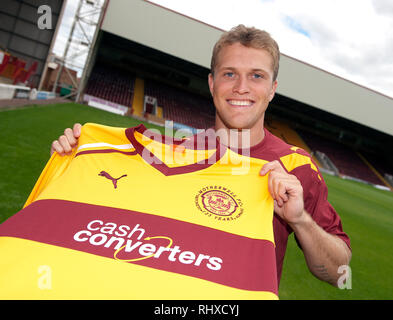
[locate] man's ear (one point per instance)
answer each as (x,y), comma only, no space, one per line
(210,80)
(273,90)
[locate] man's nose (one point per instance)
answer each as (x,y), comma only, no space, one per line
(241,85)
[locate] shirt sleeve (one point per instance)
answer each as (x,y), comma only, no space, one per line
(53,169)
(315,193)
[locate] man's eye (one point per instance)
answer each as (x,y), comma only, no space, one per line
(257,76)
(228,74)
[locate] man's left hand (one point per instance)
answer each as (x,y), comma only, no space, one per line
(286,191)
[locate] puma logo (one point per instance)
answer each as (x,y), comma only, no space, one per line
(108,176)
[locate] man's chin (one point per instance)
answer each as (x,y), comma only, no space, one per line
(237,125)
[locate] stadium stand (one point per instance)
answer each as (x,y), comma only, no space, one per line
(180,106)
(290,136)
(111,85)
(345,159)
(14,70)
(286,133)
(379,164)
(198,112)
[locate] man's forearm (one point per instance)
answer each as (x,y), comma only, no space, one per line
(324,253)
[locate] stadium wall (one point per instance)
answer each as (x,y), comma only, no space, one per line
(186,38)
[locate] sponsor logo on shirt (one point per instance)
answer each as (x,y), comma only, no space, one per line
(131,245)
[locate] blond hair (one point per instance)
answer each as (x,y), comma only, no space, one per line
(249,37)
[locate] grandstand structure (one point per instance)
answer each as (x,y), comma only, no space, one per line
(145,50)
(152,63)
(24,46)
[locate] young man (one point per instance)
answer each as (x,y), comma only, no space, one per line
(242,82)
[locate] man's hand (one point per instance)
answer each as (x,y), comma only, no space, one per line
(286,191)
(68,141)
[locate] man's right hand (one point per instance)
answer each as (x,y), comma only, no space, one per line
(68,141)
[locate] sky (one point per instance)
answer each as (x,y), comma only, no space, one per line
(350,38)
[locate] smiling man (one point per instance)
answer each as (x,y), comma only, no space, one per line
(243,81)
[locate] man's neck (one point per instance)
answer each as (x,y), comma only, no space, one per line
(240,138)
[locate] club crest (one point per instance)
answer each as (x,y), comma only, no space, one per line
(219,202)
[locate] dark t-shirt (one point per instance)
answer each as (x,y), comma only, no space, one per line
(298,162)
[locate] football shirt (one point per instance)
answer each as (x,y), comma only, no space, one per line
(132,214)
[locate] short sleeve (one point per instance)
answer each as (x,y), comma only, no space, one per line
(54,168)
(315,193)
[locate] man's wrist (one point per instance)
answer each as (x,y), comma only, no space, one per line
(303,223)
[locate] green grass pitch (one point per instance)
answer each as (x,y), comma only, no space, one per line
(367,213)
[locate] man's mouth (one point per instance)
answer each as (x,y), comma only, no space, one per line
(240,103)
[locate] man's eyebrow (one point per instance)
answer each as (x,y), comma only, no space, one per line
(227,68)
(253,70)
(260,70)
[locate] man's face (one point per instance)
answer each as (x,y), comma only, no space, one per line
(242,87)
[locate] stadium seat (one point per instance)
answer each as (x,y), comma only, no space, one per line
(180,106)
(111,85)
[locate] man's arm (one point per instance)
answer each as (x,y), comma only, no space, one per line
(324,252)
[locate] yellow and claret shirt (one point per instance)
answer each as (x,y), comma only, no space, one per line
(133,214)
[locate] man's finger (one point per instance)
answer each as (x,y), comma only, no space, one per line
(281,192)
(278,187)
(271,166)
(70,137)
(65,144)
(77,130)
(56,147)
